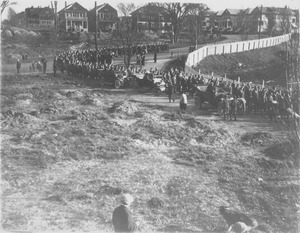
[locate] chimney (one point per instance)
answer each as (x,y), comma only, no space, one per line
(65,3)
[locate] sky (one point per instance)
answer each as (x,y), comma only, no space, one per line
(214,5)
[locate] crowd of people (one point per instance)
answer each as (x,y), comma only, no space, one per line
(258,98)
(83,63)
(87,62)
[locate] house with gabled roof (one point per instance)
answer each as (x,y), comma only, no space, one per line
(228,18)
(40,17)
(151,17)
(73,18)
(107,17)
(256,19)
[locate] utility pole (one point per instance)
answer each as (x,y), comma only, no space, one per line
(260,20)
(196,33)
(96,31)
(55,12)
(56,23)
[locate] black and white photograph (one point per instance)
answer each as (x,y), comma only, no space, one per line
(141,116)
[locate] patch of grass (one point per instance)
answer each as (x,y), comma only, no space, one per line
(257,138)
(257,65)
(282,150)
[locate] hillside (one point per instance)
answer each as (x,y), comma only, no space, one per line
(256,65)
(69,148)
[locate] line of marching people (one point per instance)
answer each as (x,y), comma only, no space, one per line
(83,62)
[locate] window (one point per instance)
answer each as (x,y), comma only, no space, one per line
(293,20)
(84,24)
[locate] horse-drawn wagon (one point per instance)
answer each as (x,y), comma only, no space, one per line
(151,81)
(214,95)
(209,94)
(116,78)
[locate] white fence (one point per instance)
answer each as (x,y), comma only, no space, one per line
(195,57)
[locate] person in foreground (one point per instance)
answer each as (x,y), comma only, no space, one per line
(122,217)
(183,102)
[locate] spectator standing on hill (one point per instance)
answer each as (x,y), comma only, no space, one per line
(155,55)
(170,91)
(122,217)
(143,59)
(18,66)
(44,62)
(54,65)
(183,102)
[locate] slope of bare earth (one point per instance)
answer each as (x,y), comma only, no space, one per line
(69,148)
(255,65)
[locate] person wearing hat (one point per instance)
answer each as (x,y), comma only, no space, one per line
(122,217)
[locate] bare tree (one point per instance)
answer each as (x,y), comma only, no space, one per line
(5,4)
(271,21)
(247,24)
(194,21)
(176,12)
(12,17)
(124,34)
(283,20)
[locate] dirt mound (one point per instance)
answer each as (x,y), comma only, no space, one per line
(30,158)
(178,117)
(42,94)
(283,150)
(257,138)
(23,103)
(24,96)
(94,102)
(148,119)
(124,107)
(109,190)
(9,114)
(65,103)
(48,110)
(193,123)
(74,94)
(155,202)
(58,96)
